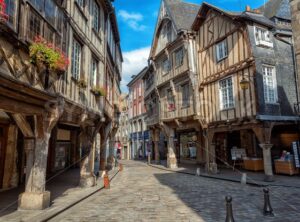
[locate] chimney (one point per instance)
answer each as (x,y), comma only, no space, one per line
(248,8)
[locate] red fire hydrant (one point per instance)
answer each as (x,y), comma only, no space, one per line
(106,181)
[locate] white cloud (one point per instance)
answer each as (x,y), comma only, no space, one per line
(132,19)
(134,62)
(130,16)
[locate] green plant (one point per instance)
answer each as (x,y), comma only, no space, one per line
(99,91)
(44,52)
(82,83)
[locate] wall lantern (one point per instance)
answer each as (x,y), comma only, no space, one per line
(244,84)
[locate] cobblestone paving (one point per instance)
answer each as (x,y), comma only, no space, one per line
(142,193)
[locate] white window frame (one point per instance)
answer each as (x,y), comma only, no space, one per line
(76,59)
(222,50)
(94,72)
(262,37)
(270,84)
(226,91)
(96,16)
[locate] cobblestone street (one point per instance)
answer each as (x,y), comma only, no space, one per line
(143,193)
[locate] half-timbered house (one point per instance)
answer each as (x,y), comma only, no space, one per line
(49,119)
(171,82)
(247,85)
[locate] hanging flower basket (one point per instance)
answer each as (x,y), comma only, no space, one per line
(43,52)
(82,83)
(99,91)
(3,15)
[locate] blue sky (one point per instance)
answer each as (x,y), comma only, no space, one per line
(137,19)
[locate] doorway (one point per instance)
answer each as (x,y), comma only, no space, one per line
(3,137)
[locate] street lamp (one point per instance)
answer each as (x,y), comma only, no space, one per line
(244,83)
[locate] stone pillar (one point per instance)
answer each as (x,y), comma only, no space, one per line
(213,168)
(35,196)
(269,177)
(29,149)
(171,157)
(156,146)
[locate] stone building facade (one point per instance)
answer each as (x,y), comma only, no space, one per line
(50,119)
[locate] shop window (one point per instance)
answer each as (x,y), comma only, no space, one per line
(226,93)
(270,85)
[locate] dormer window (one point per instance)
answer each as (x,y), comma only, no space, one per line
(262,37)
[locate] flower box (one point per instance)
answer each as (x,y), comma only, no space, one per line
(285,167)
(254,164)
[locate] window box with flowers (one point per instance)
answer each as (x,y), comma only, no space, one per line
(98,91)
(3,15)
(82,83)
(45,54)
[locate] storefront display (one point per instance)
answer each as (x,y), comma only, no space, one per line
(286,164)
(188,148)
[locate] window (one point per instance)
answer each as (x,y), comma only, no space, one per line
(270,85)
(262,37)
(166,66)
(222,51)
(179,57)
(50,11)
(170,99)
(94,72)
(226,93)
(76,59)
(11,11)
(38,4)
(185,95)
(35,24)
(80,3)
(96,17)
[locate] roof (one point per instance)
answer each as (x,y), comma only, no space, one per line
(251,16)
(276,8)
(183,14)
(138,76)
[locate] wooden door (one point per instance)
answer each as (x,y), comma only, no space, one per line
(2,152)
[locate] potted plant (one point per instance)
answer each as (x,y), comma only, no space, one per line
(99,91)
(82,83)
(43,53)
(3,15)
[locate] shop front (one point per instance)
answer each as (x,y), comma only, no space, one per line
(186,147)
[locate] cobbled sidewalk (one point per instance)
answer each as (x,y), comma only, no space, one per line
(143,193)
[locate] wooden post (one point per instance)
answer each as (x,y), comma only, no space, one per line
(156,146)
(171,157)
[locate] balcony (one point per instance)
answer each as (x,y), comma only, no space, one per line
(152,120)
(108,108)
(178,111)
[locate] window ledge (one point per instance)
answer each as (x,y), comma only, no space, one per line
(264,44)
(270,103)
(228,109)
(220,60)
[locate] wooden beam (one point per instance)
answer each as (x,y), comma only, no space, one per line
(23,125)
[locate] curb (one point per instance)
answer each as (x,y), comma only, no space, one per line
(207,176)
